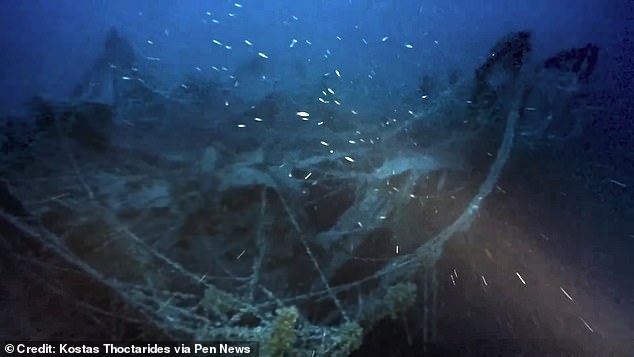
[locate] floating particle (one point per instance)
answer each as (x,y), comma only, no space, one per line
(126,78)
(231,14)
(587,325)
(293,42)
(364,41)
(349,158)
(565,293)
(484,281)
(520,277)
(228,47)
(354,112)
(261,54)
(320,123)
(303,114)
(397,249)
(237,4)
(621,184)
(308,42)
(215,21)
(295,18)
(248,43)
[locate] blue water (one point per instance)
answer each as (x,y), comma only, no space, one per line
(546,262)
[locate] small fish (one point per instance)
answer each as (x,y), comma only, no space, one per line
(337,73)
(303,114)
(408,45)
(293,42)
(248,43)
(217,42)
(261,54)
(349,158)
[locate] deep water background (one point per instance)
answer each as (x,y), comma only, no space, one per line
(46,46)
